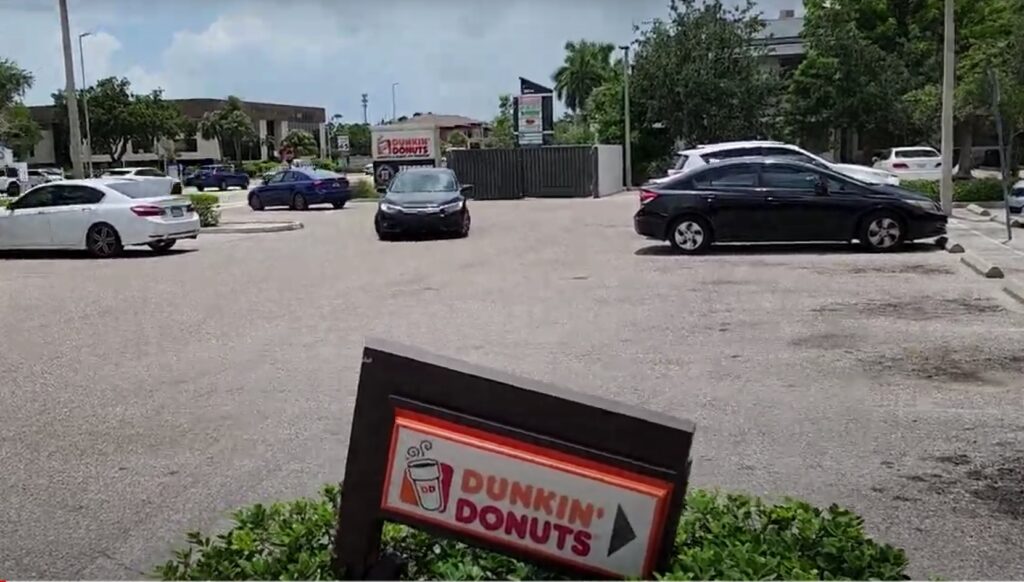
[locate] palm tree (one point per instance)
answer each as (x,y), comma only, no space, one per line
(211,128)
(586,67)
(228,125)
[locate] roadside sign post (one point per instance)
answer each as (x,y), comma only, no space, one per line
(562,479)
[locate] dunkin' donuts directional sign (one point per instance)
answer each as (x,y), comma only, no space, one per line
(510,464)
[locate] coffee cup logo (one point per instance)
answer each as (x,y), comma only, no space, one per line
(427,482)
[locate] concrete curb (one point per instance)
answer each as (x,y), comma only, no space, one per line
(251,227)
(974,208)
(1001,219)
(943,242)
(981,266)
(1014,290)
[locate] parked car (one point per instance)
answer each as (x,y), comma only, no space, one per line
(911,163)
(298,188)
(773,200)
(99,215)
(1017,198)
(368,169)
(217,176)
(35,178)
(423,200)
(55,173)
(162,183)
(707,154)
(9,183)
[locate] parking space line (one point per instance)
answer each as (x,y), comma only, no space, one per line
(988,238)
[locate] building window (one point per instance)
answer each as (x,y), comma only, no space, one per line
(189,144)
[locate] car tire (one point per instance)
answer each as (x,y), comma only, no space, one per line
(467,221)
(255,202)
(881,231)
(102,241)
(162,246)
(690,235)
(200,188)
(338,205)
(222,186)
(299,202)
(14,189)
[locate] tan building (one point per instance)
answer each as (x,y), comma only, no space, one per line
(473,129)
(270,119)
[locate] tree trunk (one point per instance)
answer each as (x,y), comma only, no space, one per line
(238,151)
(966,144)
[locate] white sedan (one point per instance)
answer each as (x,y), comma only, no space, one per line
(101,215)
(911,163)
(161,182)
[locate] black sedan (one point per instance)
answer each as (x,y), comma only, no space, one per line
(423,200)
(775,200)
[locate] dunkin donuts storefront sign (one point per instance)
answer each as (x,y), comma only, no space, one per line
(504,478)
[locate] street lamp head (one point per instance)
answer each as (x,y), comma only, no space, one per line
(624,47)
(85,34)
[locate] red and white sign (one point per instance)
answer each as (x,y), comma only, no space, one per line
(400,145)
(558,506)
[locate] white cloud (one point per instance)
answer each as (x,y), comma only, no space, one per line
(449,56)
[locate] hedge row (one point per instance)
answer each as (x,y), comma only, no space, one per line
(974,190)
(363,188)
(206,208)
(720,536)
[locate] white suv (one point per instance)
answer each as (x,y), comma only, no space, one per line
(707,154)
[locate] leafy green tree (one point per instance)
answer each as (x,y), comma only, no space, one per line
(359,138)
(698,74)
(573,130)
(586,67)
(17,129)
(457,139)
(502,132)
(605,108)
(229,125)
(302,142)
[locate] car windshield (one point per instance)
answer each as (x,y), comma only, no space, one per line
(918,153)
(407,182)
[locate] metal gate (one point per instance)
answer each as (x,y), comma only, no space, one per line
(506,174)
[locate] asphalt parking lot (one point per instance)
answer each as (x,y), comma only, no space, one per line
(146,396)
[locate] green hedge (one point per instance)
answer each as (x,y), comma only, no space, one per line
(5,201)
(720,536)
(363,188)
(257,169)
(974,190)
(206,208)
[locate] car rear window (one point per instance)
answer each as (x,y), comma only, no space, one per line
(132,189)
(919,153)
(118,172)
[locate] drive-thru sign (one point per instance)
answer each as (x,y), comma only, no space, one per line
(513,465)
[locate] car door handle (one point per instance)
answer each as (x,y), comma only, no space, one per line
(769,199)
(710,197)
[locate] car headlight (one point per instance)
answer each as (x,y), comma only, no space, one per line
(386,207)
(452,206)
(927,205)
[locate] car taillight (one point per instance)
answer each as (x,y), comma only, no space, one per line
(646,196)
(900,166)
(147,210)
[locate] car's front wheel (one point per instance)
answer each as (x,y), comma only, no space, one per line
(299,202)
(338,205)
(102,241)
(690,235)
(466,223)
(881,231)
(162,246)
(255,202)
(222,186)
(200,187)
(13,189)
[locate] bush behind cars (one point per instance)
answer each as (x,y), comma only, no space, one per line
(206,208)
(720,536)
(975,190)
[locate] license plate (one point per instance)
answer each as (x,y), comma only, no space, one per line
(177,212)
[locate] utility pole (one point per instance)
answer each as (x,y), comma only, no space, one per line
(394,108)
(627,136)
(74,130)
(365,102)
(948,72)
(85,105)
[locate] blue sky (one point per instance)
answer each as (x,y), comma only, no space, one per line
(448,56)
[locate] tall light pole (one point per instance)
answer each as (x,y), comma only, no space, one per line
(626,140)
(365,102)
(394,108)
(85,105)
(74,131)
(948,72)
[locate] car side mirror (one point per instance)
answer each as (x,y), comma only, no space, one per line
(875,160)
(821,187)
(381,189)
(466,190)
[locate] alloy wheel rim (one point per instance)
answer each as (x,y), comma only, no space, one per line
(103,240)
(689,235)
(883,233)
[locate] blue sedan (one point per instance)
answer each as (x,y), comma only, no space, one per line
(298,188)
